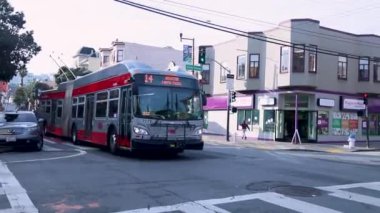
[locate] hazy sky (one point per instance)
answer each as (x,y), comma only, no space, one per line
(63,26)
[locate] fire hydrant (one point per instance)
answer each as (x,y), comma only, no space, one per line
(351,140)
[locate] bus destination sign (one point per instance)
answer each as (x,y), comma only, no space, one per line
(165,80)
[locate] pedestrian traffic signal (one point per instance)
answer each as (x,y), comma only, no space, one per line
(365,99)
(202,55)
(233,96)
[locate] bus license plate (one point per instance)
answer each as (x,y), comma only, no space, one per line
(10,139)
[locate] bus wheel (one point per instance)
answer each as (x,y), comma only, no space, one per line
(112,142)
(74,136)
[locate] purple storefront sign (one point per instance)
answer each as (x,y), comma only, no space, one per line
(374,105)
(216,103)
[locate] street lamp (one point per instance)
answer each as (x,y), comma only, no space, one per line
(193,47)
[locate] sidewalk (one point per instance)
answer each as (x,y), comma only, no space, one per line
(360,147)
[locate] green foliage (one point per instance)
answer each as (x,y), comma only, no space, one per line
(16,44)
(21,98)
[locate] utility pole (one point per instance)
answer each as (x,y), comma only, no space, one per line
(230,86)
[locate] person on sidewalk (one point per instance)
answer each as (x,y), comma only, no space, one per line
(244,126)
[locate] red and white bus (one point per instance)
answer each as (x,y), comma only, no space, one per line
(127,106)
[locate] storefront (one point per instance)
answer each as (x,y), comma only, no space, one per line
(320,117)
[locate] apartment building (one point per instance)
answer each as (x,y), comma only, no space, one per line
(298,76)
(156,57)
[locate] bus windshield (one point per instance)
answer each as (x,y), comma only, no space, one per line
(167,103)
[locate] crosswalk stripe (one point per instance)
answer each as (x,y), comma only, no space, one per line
(337,191)
(16,194)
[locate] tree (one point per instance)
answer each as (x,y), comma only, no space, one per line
(21,98)
(16,44)
(22,73)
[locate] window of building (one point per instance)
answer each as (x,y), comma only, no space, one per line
(374,125)
(205,73)
(285,59)
(241,61)
(364,69)
(312,58)
(290,100)
(106,59)
(113,103)
(298,58)
(251,116)
(120,55)
(254,65)
(223,75)
(376,71)
(101,105)
(342,67)
(269,120)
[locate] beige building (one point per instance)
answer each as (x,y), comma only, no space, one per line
(156,57)
(299,74)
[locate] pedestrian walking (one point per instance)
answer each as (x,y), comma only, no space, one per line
(244,126)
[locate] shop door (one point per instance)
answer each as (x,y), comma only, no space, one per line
(312,126)
(279,125)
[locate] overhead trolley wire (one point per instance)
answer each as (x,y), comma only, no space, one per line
(232,30)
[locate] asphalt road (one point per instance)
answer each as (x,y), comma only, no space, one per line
(65,178)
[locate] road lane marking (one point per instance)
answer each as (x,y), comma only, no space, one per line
(80,152)
(71,145)
(16,194)
(50,149)
(210,205)
(338,191)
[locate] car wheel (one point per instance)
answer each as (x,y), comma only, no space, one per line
(112,142)
(74,136)
(39,144)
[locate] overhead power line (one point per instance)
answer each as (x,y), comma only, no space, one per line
(231,30)
(252,20)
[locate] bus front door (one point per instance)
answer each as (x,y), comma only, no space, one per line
(89,115)
(125,116)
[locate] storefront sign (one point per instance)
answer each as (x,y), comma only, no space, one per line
(267,101)
(351,104)
(243,102)
(323,102)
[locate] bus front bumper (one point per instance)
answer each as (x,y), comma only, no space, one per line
(139,144)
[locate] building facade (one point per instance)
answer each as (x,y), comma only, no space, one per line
(156,57)
(298,76)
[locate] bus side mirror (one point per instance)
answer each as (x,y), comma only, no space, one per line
(204,99)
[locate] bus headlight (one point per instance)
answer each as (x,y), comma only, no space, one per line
(198,131)
(140,131)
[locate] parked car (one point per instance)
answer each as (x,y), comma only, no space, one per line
(21,129)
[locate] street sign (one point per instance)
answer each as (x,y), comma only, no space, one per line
(194,67)
(230,82)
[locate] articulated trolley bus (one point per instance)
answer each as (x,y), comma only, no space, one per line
(127,106)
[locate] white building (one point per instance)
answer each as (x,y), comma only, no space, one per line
(156,57)
(328,71)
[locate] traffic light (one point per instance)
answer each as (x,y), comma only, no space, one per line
(365,99)
(233,96)
(202,55)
